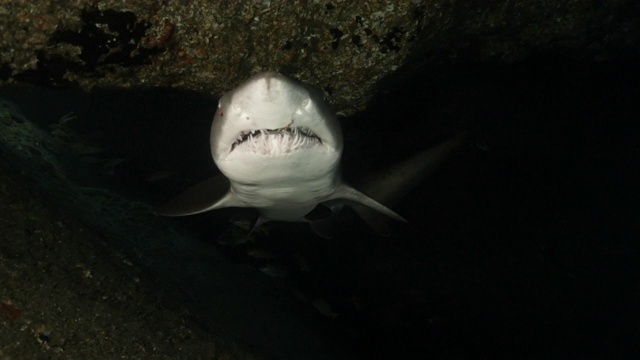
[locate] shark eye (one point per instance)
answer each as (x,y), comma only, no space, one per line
(306,104)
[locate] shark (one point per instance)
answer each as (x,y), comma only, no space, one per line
(278,145)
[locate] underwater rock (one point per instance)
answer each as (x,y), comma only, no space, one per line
(188,271)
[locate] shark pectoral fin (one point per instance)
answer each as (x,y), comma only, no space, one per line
(391,184)
(210,194)
(364,206)
(346,192)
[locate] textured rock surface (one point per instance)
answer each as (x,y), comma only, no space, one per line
(343,47)
(66,294)
(138,288)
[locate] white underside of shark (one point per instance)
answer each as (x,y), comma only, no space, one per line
(278,145)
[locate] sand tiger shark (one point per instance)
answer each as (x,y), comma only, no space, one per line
(278,145)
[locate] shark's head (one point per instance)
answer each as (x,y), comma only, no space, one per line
(270,118)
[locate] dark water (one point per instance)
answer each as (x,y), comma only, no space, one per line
(523,245)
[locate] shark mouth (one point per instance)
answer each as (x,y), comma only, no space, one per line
(276,141)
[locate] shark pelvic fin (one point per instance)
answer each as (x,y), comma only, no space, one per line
(322,218)
(210,194)
(259,221)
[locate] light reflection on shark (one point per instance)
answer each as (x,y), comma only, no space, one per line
(278,145)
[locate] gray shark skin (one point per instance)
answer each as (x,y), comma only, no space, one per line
(278,146)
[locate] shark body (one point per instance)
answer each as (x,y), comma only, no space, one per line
(278,145)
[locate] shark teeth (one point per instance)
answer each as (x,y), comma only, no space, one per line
(284,139)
